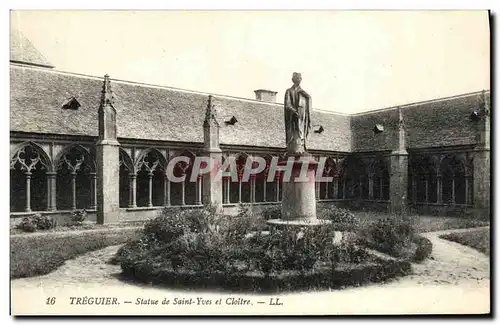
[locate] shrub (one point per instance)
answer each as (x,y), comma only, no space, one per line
(202,242)
(424,249)
(36,222)
(273,212)
(27,224)
(227,256)
(393,235)
(79,216)
(342,219)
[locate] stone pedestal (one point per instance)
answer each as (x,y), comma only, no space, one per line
(298,206)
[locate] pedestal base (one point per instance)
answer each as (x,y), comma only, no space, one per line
(297,222)
(299,192)
(305,223)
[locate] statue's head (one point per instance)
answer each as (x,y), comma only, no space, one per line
(296,78)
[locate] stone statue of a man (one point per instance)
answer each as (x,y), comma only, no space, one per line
(297,116)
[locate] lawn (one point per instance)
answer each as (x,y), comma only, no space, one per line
(429,223)
(86,225)
(43,252)
(478,239)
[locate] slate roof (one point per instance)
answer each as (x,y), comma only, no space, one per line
(154,112)
(22,51)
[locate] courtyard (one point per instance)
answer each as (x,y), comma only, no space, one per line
(455,279)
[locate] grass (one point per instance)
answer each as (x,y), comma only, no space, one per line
(42,253)
(86,225)
(429,223)
(478,239)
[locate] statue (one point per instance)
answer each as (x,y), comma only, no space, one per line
(297,116)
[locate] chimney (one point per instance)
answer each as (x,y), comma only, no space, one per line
(265,95)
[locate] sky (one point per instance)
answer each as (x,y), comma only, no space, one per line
(351,61)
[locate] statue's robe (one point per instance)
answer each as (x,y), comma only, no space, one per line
(297,126)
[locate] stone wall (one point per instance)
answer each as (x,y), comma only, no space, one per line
(434,124)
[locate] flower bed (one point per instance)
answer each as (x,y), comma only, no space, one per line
(200,248)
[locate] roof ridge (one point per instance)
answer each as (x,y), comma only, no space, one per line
(143,84)
(428,101)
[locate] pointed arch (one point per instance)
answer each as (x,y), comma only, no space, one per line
(75,148)
(126,161)
(452,172)
(264,190)
(240,191)
(379,171)
(152,152)
(326,188)
(423,179)
(76,178)
(186,192)
(44,157)
(353,179)
(127,180)
(29,167)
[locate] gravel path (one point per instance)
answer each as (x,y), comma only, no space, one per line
(452,263)
(455,279)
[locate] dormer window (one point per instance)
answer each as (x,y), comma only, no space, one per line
(319,130)
(378,128)
(475,116)
(231,121)
(71,103)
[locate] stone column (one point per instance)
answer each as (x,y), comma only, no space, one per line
(343,188)
(150,189)
(381,188)
(453,201)
(108,159)
(426,189)
(264,189)
(28,192)
(481,182)
(239,190)
(166,191)
(183,192)
(212,181)
(335,187)
(370,187)
(132,190)
(198,190)
(52,191)
(467,190)
(439,189)
(414,190)
(277,189)
(226,194)
(93,191)
(252,188)
(318,190)
(481,159)
(398,190)
(398,183)
(73,190)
